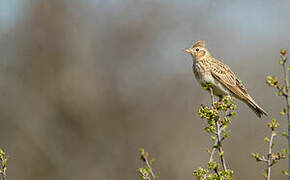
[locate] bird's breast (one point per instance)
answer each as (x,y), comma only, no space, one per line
(203,76)
(198,70)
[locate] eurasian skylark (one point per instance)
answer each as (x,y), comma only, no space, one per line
(209,70)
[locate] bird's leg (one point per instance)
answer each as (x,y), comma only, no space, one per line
(212,96)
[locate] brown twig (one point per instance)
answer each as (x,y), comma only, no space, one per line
(286,95)
(150,169)
(222,158)
(4,175)
(3,164)
(213,150)
(269,157)
(216,141)
(218,134)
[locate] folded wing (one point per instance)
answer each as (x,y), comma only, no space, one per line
(224,75)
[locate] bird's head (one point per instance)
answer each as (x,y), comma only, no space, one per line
(198,50)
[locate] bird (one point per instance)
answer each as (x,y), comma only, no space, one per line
(208,70)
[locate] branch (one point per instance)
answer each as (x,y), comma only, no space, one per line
(213,150)
(216,142)
(286,95)
(220,146)
(219,139)
(150,169)
(262,159)
(146,172)
(269,158)
(283,90)
(216,127)
(3,162)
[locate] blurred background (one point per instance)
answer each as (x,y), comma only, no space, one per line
(85,83)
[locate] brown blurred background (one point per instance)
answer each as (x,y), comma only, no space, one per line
(85,83)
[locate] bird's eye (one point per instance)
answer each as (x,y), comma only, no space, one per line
(197,50)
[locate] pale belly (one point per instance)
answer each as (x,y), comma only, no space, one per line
(205,77)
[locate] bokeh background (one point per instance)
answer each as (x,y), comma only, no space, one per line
(85,83)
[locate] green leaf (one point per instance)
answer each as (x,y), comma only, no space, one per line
(285,173)
(280,62)
(2,152)
(157,175)
(216,146)
(284,134)
(141,150)
(221,154)
(256,156)
(227,133)
(144,154)
(266,139)
(206,86)
(152,161)
(283,111)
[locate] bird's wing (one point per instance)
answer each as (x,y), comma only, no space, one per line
(224,75)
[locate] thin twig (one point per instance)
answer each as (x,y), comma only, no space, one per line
(150,169)
(216,171)
(219,139)
(286,81)
(211,158)
(269,157)
(220,146)
(4,175)
(262,159)
(216,142)
(213,150)
(3,161)
(212,97)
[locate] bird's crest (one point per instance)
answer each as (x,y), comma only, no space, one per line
(199,44)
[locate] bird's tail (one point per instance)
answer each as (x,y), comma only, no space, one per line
(256,108)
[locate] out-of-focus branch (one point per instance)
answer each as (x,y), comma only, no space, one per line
(286,95)
(3,162)
(282,90)
(146,172)
(270,157)
(150,168)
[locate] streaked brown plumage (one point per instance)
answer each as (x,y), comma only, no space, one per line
(210,70)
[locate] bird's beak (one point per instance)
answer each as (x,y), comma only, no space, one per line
(189,50)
